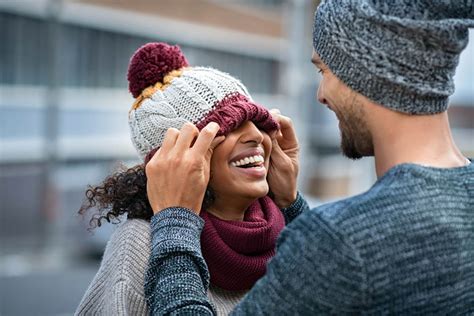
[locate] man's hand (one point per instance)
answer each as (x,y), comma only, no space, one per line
(178,173)
(284,163)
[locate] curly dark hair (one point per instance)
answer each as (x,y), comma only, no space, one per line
(123,192)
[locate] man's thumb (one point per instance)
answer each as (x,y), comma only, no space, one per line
(215,142)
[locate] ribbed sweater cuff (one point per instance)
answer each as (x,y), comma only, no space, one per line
(295,208)
(176,229)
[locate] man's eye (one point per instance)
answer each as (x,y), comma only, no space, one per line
(320,71)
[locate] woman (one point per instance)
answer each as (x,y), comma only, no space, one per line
(241,222)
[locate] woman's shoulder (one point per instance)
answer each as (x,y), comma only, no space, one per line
(129,245)
(224,301)
(118,286)
(132,231)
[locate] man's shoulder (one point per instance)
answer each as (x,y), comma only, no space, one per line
(359,211)
(345,208)
(397,186)
(396,201)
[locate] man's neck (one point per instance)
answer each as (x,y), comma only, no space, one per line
(423,140)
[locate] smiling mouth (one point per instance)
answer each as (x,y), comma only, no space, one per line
(256,161)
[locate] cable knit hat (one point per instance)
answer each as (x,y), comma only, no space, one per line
(169,93)
(401,54)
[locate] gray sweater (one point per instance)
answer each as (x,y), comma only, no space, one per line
(404,247)
(118,287)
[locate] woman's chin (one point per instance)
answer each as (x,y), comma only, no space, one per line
(257,191)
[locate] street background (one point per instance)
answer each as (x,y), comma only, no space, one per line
(63,118)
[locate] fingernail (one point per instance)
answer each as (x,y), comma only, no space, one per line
(212,126)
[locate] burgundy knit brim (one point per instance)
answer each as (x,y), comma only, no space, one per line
(230,113)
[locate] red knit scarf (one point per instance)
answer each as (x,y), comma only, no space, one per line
(237,252)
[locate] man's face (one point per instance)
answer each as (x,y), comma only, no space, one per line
(356,139)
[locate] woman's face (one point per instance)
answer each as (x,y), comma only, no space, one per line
(239,165)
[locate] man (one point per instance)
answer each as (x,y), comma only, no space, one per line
(406,246)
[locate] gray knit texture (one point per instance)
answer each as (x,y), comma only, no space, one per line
(401,54)
(177,276)
(405,247)
(118,287)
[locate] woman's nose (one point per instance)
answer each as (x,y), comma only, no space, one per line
(251,133)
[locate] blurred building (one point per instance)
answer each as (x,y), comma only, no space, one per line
(64,96)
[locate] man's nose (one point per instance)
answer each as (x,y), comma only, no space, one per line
(320,95)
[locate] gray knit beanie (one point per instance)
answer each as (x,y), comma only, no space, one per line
(401,54)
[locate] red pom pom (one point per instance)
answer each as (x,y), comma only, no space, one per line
(150,63)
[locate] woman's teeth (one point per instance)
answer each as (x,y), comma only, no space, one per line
(247,161)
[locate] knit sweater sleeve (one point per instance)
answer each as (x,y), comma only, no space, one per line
(296,208)
(177,278)
(316,270)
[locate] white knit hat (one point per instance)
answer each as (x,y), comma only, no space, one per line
(169,93)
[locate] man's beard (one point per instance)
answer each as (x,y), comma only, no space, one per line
(356,140)
(349,148)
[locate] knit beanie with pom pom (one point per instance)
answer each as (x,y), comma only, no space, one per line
(170,93)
